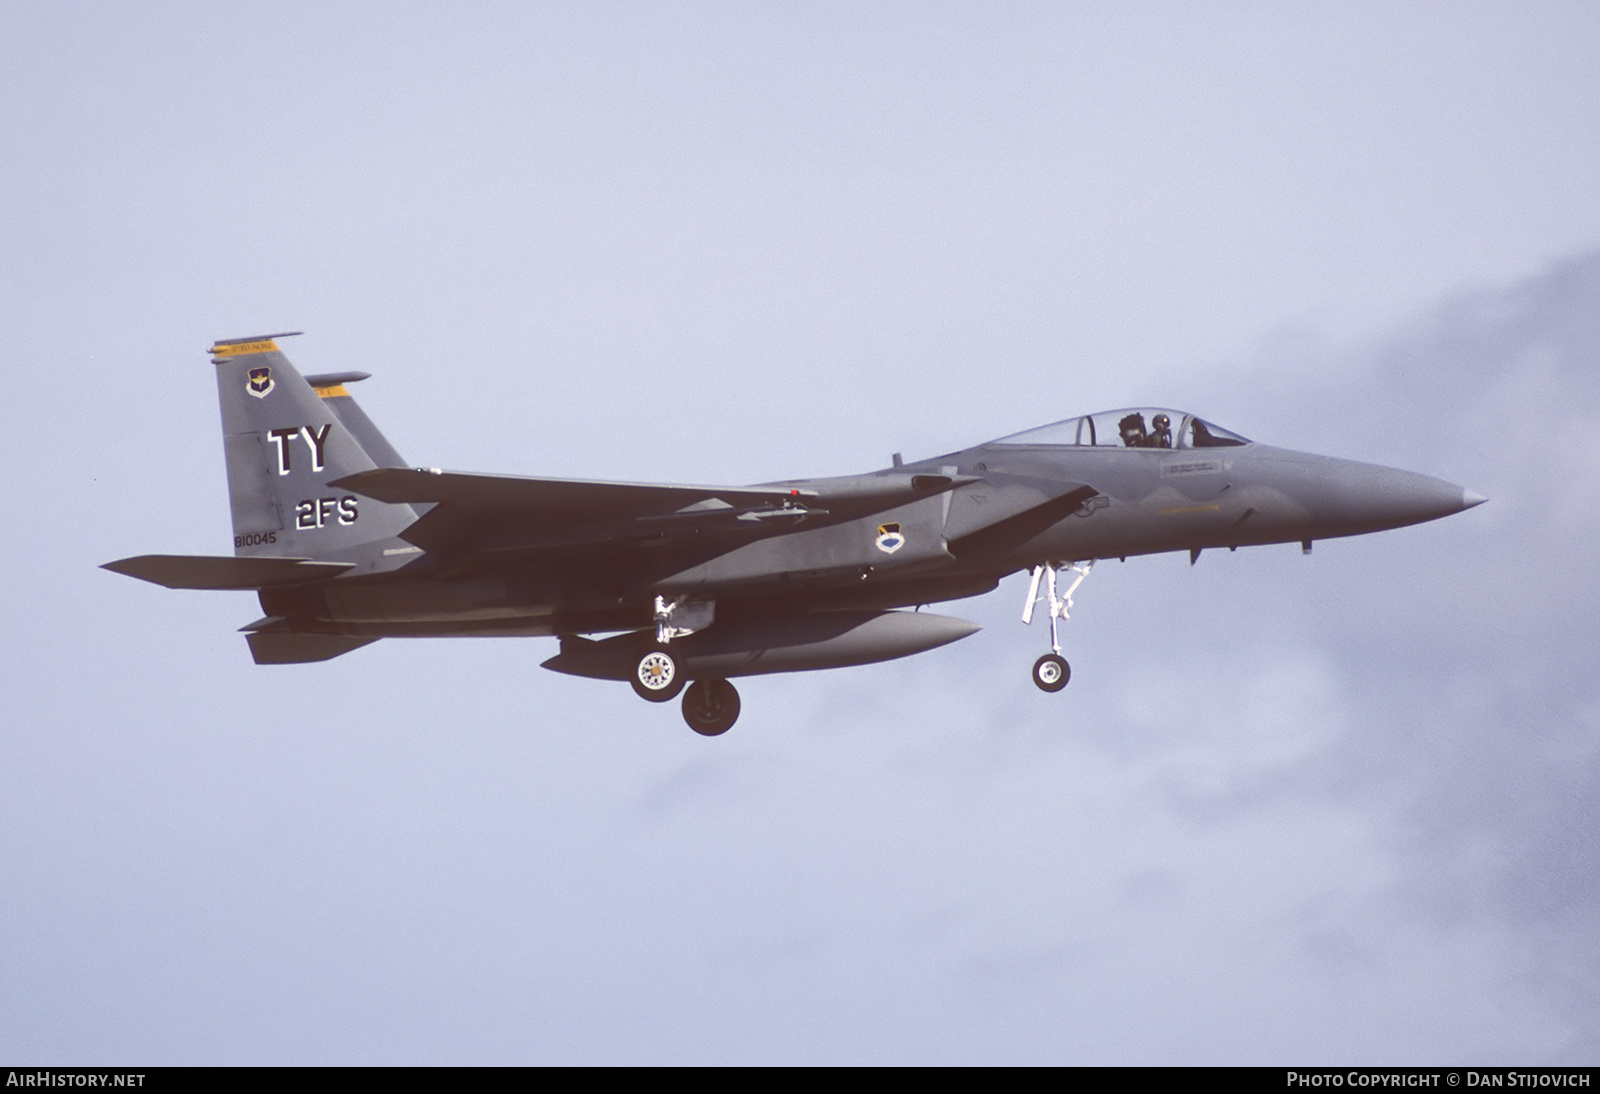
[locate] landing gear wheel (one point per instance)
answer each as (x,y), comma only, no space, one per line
(711,707)
(1051,672)
(656,677)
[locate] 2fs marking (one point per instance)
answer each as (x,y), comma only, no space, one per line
(317,512)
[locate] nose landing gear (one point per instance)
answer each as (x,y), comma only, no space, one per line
(1051,672)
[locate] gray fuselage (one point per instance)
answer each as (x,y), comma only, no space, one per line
(985,512)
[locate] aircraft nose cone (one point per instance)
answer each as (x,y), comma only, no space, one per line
(1385,497)
(1346,498)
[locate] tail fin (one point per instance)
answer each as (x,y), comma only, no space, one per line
(285,441)
(330,388)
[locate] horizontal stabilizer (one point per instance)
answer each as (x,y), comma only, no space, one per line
(288,648)
(224,571)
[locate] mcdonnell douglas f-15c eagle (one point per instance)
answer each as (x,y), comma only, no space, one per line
(345,544)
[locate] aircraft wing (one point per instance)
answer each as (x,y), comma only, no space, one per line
(570,497)
(504,512)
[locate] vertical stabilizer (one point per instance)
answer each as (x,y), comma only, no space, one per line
(330,387)
(284,444)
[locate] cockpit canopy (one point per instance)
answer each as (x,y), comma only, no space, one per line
(1136,427)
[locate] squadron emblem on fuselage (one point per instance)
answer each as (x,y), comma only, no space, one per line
(890,538)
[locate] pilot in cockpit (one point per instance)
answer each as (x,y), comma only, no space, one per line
(1132,430)
(1134,434)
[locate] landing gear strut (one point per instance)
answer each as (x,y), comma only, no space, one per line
(658,677)
(1051,672)
(711,707)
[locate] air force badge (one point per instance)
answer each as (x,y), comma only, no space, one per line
(260,382)
(890,538)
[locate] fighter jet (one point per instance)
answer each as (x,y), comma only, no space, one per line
(344,543)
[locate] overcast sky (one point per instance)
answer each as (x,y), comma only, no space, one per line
(1290,810)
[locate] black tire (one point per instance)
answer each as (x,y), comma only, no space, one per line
(656,677)
(711,707)
(1051,672)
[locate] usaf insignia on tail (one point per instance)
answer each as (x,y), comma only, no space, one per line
(344,544)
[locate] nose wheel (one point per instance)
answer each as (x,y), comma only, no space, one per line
(711,707)
(1051,672)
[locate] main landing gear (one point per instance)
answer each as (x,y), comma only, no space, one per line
(1051,672)
(709,706)
(656,677)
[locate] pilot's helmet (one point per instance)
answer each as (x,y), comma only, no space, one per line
(1162,423)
